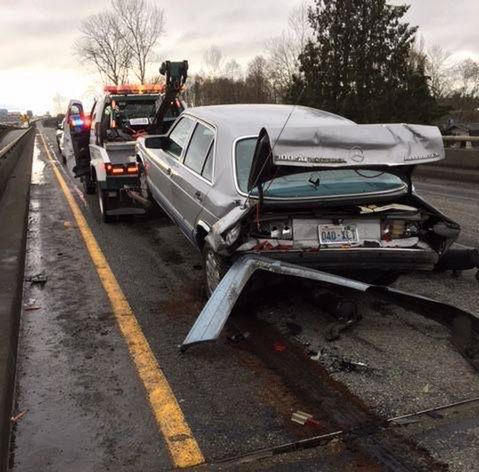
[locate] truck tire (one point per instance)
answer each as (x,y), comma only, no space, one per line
(214,268)
(103,204)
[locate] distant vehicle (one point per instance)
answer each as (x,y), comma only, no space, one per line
(100,148)
(299,185)
(60,139)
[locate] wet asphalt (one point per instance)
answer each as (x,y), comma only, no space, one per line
(86,408)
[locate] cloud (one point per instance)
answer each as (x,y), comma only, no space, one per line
(37,36)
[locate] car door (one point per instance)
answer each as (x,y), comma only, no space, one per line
(193,178)
(163,164)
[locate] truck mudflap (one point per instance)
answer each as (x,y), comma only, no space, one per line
(463,325)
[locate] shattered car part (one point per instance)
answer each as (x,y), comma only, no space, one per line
(210,322)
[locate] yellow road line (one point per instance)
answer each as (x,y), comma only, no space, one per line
(183,447)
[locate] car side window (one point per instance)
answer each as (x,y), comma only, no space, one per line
(198,149)
(179,136)
(207,172)
(75,110)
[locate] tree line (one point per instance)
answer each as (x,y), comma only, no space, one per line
(357,58)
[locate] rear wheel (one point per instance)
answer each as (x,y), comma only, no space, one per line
(103,204)
(214,268)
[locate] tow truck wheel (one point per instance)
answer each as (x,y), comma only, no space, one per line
(214,268)
(103,204)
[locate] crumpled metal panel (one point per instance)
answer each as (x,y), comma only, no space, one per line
(210,322)
(355,145)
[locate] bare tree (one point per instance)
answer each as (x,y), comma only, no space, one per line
(213,59)
(468,77)
(439,69)
(143,24)
(284,50)
(232,70)
(59,103)
(257,81)
(103,44)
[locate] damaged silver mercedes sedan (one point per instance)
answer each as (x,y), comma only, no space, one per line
(298,185)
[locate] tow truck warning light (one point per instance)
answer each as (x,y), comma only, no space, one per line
(140,89)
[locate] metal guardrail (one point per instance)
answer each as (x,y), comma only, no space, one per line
(9,146)
(461,139)
(468,140)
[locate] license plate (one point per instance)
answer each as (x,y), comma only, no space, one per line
(139,121)
(339,235)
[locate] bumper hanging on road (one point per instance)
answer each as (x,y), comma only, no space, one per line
(209,324)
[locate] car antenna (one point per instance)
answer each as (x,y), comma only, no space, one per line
(274,145)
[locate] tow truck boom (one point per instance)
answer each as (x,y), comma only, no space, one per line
(175,74)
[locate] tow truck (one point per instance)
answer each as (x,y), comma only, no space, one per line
(100,147)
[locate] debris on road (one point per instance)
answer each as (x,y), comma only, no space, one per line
(303,418)
(333,362)
(235,338)
(279,346)
(20,415)
(209,324)
(39,278)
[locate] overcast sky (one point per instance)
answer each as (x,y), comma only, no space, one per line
(36,59)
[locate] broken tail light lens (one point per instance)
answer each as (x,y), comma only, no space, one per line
(398,229)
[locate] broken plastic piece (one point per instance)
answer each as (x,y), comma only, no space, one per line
(20,415)
(303,418)
(40,278)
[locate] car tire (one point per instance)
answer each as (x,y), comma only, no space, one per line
(88,185)
(103,204)
(214,268)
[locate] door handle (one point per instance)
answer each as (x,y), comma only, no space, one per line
(168,171)
(199,196)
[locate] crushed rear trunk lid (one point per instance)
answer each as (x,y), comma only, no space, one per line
(297,149)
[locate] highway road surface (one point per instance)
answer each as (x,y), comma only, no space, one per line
(102,386)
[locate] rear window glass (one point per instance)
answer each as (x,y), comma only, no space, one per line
(179,136)
(198,149)
(314,183)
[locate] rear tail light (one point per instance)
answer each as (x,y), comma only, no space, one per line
(121,169)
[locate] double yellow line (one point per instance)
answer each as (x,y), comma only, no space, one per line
(183,447)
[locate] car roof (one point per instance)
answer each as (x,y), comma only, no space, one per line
(251,118)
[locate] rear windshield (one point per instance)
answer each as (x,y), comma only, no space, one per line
(314,183)
(131,109)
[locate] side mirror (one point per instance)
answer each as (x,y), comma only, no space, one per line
(157,142)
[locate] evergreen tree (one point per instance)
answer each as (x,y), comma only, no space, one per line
(361,64)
